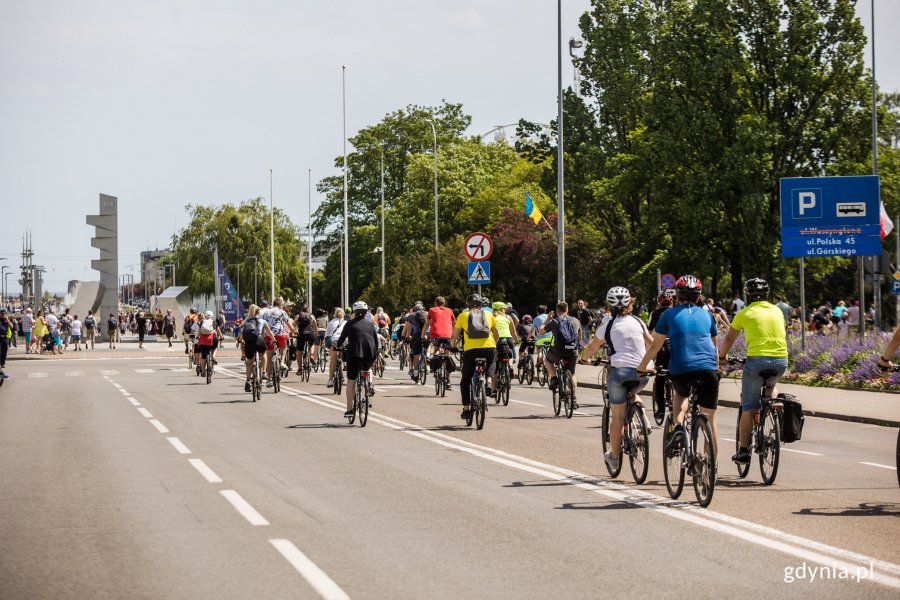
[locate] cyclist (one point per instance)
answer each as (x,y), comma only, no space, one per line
(186,329)
(362,347)
(253,333)
(626,340)
(763,327)
(307,333)
(506,330)
(415,331)
(321,326)
(479,335)
(566,332)
(541,340)
(664,303)
(692,336)
(439,326)
(525,330)
(277,320)
(332,333)
(208,334)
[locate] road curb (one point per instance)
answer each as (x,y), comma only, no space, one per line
(809,413)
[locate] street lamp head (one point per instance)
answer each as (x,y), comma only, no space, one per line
(575,43)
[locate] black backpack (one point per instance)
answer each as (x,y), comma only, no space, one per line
(89,322)
(792,418)
(250,328)
(566,337)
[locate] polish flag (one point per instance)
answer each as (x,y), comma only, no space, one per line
(887,226)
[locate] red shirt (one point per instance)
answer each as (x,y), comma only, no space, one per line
(441,322)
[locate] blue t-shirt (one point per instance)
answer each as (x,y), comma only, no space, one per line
(690,330)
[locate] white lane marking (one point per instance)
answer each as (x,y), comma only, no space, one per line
(143,370)
(74,373)
(204,470)
(806,452)
(109,372)
(133,401)
(779,540)
(244,508)
(179,445)
(316,577)
(180,370)
(528,403)
(159,426)
(145,412)
(117,386)
(37,375)
(879,466)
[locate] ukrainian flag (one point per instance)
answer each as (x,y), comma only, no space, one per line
(531,210)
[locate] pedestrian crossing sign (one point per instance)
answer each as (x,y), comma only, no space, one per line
(479,272)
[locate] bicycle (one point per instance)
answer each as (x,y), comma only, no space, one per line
(190,356)
(635,435)
(423,365)
(338,372)
(765,436)
(564,394)
(441,375)
(696,458)
(209,367)
(378,366)
(525,370)
(361,399)
(305,365)
(477,395)
(504,378)
(255,379)
(276,371)
(403,351)
(662,394)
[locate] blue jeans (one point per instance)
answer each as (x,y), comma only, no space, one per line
(617,378)
(752,382)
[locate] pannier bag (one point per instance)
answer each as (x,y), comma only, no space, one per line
(792,419)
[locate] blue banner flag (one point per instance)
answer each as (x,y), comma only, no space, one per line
(230,302)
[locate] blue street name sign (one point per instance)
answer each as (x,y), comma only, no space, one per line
(830,216)
(480,272)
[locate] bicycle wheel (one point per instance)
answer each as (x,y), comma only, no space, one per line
(257,388)
(673,464)
(742,469)
(898,458)
(402,359)
(557,400)
(363,404)
(768,445)
(565,383)
(529,371)
(307,368)
(639,444)
(520,371)
(209,369)
(659,399)
(542,375)
(190,359)
(704,460)
(604,427)
(423,370)
(338,378)
(351,418)
(498,385)
(507,384)
(439,380)
(481,406)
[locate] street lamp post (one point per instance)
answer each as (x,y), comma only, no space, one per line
(382,216)
(345,260)
(272,236)
(6,286)
(3,293)
(434,133)
(560,199)
(309,243)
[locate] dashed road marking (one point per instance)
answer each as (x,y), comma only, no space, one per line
(244,508)
(528,403)
(316,577)
(159,426)
(37,375)
(74,373)
(145,412)
(143,371)
(871,464)
(179,445)
(109,372)
(133,401)
(204,470)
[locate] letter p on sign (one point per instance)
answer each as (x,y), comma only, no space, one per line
(807,204)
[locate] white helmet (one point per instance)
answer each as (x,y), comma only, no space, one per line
(360,305)
(618,297)
(209,314)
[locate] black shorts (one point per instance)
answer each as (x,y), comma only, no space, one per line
(705,382)
(254,346)
(355,365)
(204,350)
(415,344)
(306,341)
(569,358)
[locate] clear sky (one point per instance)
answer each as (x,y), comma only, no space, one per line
(166,103)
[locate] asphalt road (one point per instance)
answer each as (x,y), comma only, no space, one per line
(132,478)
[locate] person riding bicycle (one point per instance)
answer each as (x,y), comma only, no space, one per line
(664,303)
(189,321)
(566,332)
(307,334)
(253,333)
(541,341)
(694,360)
(208,335)
(525,330)
(415,332)
(763,327)
(277,319)
(479,335)
(506,330)
(439,327)
(362,347)
(626,339)
(332,332)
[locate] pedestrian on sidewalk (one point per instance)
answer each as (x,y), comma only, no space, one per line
(76,333)
(53,327)
(39,333)
(27,328)
(112,327)
(90,329)
(5,335)
(169,326)
(141,328)
(65,329)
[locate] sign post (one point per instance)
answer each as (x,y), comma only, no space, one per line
(830,216)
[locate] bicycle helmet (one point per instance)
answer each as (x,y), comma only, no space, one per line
(498,306)
(359,305)
(756,288)
(263,304)
(618,297)
(473,300)
(688,288)
(664,299)
(485,301)
(209,314)
(527,319)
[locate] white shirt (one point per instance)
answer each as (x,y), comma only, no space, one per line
(737,304)
(275,317)
(76,327)
(334,329)
(627,336)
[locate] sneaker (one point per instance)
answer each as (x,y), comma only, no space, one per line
(330,383)
(269,383)
(574,404)
(348,414)
(466,414)
(186,351)
(3,375)
(449,387)
(676,441)
(553,384)
(742,457)
(247,386)
(612,463)
(490,392)
(415,375)
(371,390)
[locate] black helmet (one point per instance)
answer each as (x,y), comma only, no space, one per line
(756,288)
(688,287)
(473,300)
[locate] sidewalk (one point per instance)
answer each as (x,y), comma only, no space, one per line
(858,406)
(127,348)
